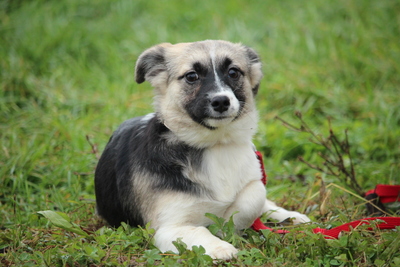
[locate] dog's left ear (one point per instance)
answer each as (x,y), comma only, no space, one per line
(151,63)
(255,69)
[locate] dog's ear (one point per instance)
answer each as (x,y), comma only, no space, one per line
(151,63)
(255,69)
(252,55)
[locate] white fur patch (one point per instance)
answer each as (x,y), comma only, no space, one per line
(212,57)
(148,117)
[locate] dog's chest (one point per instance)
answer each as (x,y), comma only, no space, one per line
(226,170)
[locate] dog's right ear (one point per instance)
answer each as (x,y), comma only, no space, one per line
(255,69)
(151,63)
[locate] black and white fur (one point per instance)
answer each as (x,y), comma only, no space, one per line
(194,154)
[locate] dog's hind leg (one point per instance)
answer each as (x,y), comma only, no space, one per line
(194,236)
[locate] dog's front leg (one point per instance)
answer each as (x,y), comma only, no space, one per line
(194,236)
(249,204)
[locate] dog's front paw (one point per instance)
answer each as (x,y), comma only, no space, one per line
(222,251)
(298,217)
(281,214)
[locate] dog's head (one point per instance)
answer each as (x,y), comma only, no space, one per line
(206,86)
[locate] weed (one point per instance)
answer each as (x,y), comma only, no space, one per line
(336,153)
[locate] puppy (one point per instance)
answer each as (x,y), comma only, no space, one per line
(194,154)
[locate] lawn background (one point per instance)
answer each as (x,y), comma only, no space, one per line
(67,76)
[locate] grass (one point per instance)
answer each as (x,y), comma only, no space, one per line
(66,71)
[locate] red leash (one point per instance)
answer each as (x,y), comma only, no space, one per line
(386,194)
(388,223)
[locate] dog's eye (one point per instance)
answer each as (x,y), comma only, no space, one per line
(191,77)
(233,73)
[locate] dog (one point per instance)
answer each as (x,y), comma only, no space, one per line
(194,155)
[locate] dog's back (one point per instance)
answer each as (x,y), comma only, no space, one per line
(115,162)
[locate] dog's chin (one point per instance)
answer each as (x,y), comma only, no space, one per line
(217,122)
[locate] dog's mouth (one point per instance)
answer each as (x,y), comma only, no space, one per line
(214,122)
(219,117)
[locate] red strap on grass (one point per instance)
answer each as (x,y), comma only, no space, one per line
(388,223)
(386,193)
(258,225)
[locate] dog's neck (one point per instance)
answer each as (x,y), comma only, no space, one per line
(239,132)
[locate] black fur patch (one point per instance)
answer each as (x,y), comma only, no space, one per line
(200,69)
(225,64)
(139,150)
(198,102)
(255,89)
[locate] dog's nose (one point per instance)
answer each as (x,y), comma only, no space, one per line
(220,103)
